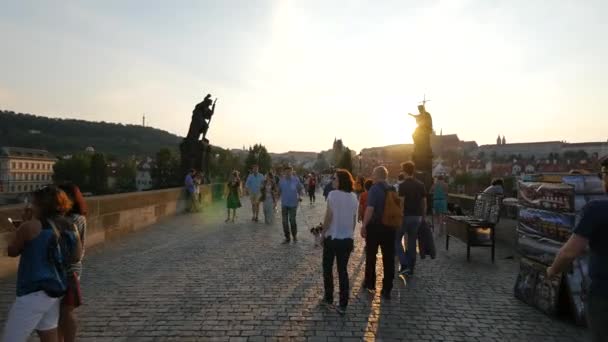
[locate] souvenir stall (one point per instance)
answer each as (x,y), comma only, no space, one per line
(547,215)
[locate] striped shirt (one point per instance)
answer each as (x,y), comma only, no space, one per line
(81,225)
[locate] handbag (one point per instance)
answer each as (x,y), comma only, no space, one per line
(73,296)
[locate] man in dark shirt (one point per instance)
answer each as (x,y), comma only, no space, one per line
(592,231)
(413,198)
(378,235)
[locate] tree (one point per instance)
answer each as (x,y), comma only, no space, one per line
(222,163)
(125,176)
(321,164)
(74,170)
(166,170)
(98,174)
(346,161)
(258,155)
(68,136)
(576,155)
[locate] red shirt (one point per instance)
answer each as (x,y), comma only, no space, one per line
(362,204)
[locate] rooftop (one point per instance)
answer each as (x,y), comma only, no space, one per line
(22,152)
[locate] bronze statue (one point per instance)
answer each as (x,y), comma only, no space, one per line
(422,155)
(201,118)
(195,153)
(424,122)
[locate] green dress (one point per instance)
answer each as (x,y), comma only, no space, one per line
(233,201)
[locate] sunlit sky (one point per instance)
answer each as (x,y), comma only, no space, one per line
(295,74)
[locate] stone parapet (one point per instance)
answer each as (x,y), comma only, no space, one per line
(112,216)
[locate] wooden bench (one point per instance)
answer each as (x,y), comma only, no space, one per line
(477,230)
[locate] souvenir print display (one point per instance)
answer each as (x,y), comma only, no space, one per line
(556,226)
(533,288)
(547,196)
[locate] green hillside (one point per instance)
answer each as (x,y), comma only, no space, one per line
(68,136)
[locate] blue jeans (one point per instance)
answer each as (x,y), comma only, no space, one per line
(597,314)
(410,226)
(288,214)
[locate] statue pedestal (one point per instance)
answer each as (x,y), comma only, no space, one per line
(423,158)
(195,155)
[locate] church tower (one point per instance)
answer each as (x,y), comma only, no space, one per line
(504,140)
(498,141)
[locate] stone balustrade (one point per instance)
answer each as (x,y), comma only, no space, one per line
(111,216)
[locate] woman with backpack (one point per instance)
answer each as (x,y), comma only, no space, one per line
(68,324)
(46,243)
(338,232)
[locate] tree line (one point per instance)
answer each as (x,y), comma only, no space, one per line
(69,136)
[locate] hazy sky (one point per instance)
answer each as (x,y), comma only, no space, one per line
(295,74)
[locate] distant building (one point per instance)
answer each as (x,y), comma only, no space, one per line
(113,168)
(450,144)
(24,170)
(440,170)
(542,149)
(143,176)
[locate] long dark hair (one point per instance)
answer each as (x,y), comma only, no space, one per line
(345,180)
(52,203)
(79,204)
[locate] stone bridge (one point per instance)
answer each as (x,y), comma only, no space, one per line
(192,277)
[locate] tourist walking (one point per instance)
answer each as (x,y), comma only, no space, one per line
(367,184)
(329,187)
(312,187)
(47,244)
(378,235)
(190,190)
(68,323)
(253,185)
(413,196)
(233,197)
(290,190)
(359,186)
(196,196)
(400,180)
(338,232)
(590,234)
(439,193)
(269,198)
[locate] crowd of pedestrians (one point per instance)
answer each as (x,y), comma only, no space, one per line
(372,203)
(348,201)
(51,238)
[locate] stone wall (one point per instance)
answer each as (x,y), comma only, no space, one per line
(112,216)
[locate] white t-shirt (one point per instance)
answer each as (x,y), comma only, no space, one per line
(343,207)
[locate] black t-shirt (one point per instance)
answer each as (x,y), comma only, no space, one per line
(413,191)
(593,225)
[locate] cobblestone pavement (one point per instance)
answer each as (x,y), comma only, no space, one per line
(195,278)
